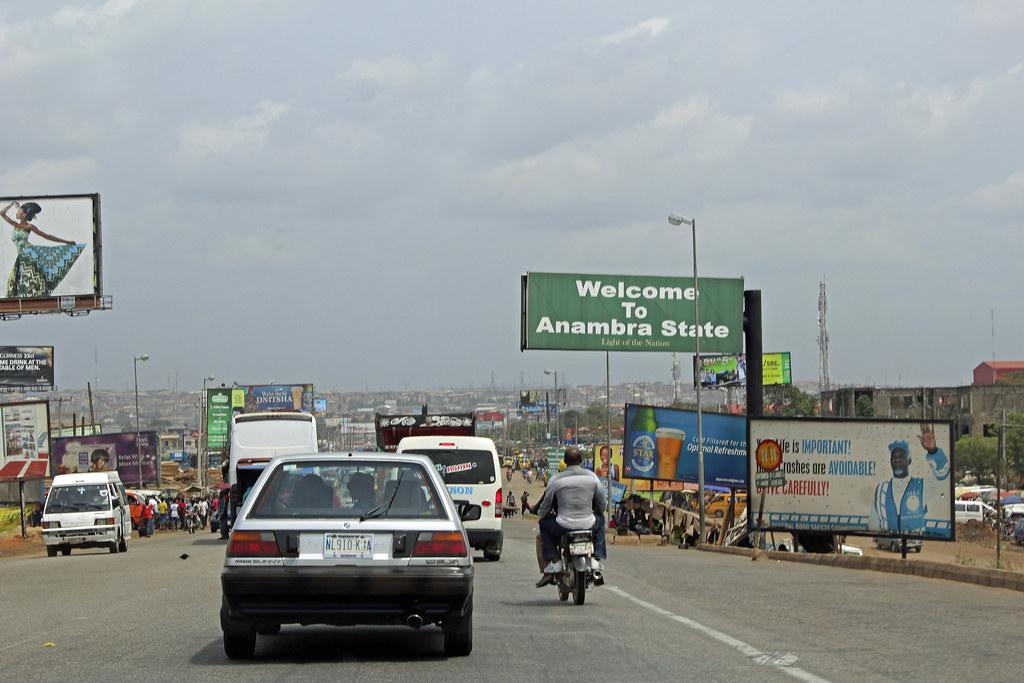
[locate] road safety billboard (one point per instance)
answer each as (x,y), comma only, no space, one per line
(730,370)
(661,443)
(870,477)
(26,368)
(54,253)
(107,453)
(586,312)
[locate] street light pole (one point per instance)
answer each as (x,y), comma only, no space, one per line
(138,439)
(558,413)
(692,222)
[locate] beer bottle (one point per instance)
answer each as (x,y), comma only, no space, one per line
(641,462)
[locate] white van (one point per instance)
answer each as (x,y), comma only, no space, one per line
(469,467)
(254,439)
(971,510)
(86,510)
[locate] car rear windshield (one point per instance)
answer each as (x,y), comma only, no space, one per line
(345,489)
(458,466)
(78,498)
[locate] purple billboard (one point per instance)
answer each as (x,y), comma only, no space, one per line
(106,453)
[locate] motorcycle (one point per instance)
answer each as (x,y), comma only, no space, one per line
(576,553)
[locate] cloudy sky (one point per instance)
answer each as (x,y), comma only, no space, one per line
(347,193)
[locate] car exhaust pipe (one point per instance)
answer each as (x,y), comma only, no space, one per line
(414,620)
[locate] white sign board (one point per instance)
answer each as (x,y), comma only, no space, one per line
(868,477)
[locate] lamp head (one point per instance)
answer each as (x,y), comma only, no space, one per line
(676,219)
(143,357)
(548,372)
(209,378)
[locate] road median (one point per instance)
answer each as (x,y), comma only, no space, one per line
(995,578)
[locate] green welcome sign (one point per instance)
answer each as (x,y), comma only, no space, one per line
(584,312)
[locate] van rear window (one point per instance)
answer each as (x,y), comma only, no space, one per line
(458,466)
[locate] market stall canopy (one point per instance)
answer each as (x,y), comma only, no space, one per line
(23,470)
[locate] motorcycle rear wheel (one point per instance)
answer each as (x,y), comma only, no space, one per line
(579,591)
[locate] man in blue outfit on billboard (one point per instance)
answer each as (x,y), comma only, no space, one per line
(899,503)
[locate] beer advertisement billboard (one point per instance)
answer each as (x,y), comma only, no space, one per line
(107,453)
(868,477)
(26,368)
(55,252)
(583,312)
(662,443)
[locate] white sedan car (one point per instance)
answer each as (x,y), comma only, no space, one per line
(348,538)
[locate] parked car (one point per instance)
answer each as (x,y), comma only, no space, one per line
(344,539)
(1018,532)
(893,544)
(972,510)
(719,505)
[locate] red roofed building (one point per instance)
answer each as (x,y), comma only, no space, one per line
(990,372)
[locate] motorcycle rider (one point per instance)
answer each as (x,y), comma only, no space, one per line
(579,498)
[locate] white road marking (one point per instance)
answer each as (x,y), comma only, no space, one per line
(781,662)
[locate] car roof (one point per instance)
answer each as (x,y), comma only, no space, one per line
(85,478)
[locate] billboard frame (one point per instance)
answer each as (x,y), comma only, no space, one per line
(752,525)
(12,308)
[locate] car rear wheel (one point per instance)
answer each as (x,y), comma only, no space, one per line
(51,551)
(123,547)
(114,547)
(268,629)
(66,550)
(239,636)
(492,554)
(458,634)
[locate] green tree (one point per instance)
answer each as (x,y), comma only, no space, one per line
(1015,445)
(977,455)
(864,407)
(789,401)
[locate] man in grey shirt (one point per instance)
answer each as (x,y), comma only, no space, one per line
(579,499)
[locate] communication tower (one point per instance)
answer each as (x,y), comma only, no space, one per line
(675,378)
(823,383)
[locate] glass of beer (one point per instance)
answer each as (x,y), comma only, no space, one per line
(670,443)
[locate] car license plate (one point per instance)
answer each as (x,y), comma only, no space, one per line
(585,548)
(348,546)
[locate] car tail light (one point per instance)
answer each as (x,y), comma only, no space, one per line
(51,525)
(439,544)
(105,521)
(497,503)
(253,544)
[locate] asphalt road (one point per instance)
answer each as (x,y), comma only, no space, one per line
(665,614)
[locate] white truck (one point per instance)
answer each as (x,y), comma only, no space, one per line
(255,438)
